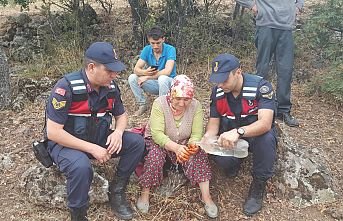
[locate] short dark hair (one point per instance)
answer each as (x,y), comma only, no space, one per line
(87,61)
(155,33)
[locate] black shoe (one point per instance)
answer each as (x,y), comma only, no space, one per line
(78,214)
(288,119)
(253,203)
(117,196)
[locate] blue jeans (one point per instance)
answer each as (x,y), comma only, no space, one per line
(159,87)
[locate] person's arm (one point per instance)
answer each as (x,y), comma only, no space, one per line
(212,127)
(262,125)
(140,71)
(167,69)
(197,125)
(56,133)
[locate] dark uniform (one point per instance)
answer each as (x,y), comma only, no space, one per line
(241,111)
(87,114)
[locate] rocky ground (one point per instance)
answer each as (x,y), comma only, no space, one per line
(321,128)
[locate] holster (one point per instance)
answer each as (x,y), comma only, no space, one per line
(40,149)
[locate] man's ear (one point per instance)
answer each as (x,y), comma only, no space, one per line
(91,66)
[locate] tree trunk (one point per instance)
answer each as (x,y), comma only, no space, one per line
(4,81)
(139,10)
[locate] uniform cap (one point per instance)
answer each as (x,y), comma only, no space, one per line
(104,53)
(222,65)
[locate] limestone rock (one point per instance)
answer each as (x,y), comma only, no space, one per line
(303,177)
(47,187)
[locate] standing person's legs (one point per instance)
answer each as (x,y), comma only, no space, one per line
(164,83)
(265,43)
(284,55)
(76,166)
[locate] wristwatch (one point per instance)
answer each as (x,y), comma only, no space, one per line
(241,132)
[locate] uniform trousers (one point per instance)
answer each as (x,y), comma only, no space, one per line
(263,149)
(76,166)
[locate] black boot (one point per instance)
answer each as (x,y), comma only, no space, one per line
(117,196)
(78,214)
(253,203)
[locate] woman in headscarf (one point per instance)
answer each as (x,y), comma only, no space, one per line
(176,122)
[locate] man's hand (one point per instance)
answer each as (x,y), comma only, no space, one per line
(150,71)
(101,154)
(142,79)
(228,139)
(114,142)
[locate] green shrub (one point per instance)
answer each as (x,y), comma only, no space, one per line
(324,30)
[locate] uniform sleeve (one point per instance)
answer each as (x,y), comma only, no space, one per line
(157,125)
(171,55)
(266,96)
(145,53)
(118,107)
(197,126)
(59,102)
(213,108)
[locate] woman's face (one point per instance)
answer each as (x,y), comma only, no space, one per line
(180,103)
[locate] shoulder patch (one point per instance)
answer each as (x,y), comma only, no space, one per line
(58,104)
(268,96)
(60,91)
(264,89)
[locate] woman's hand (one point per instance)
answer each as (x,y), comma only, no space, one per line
(182,154)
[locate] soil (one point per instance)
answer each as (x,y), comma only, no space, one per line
(320,127)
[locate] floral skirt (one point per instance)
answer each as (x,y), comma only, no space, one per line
(196,169)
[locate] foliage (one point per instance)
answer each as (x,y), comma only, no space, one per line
(60,57)
(323,34)
(324,30)
(330,82)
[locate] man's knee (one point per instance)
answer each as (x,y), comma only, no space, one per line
(82,168)
(133,78)
(133,140)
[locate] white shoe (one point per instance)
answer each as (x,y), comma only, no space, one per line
(211,210)
(142,206)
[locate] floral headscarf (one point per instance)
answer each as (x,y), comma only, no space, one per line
(182,86)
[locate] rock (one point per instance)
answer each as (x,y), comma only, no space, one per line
(303,177)
(47,187)
(22,19)
(5,162)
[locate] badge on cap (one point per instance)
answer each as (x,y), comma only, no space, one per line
(215,68)
(58,104)
(115,54)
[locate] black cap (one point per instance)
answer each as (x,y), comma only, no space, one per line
(104,53)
